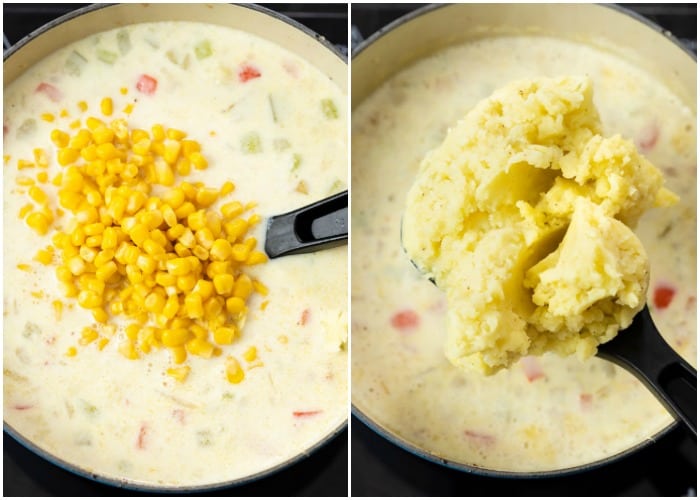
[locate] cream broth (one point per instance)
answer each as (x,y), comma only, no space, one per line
(545,413)
(125,419)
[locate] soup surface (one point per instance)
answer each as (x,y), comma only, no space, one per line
(273,125)
(545,413)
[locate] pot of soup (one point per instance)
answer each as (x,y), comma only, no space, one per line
(412,82)
(149,341)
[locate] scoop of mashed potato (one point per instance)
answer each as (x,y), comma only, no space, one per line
(522,216)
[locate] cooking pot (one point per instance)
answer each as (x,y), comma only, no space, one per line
(253,19)
(427,30)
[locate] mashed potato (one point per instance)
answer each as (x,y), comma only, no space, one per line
(522,216)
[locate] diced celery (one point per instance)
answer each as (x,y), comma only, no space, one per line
(250,143)
(204,438)
(329,109)
(296,161)
(281,145)
(171,57)
(107,56)
(336,187)
(203,49)
(28,126)
(88,407)
(123,41)
(31,329)
(75,63)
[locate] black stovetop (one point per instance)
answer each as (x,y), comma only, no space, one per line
(324,473)
(665,468)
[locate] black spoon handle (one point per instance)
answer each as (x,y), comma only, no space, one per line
(642,350)
(318,226)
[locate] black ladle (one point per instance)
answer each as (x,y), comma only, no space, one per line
(318,226)
(641,350)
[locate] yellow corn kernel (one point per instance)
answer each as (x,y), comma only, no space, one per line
(38,222)
(106,271)
(171,307)
(75,124)
(44,256)
(179,266)
(147,264)
(224,335)
(59,138)
(264,304)
(42,177)
(235,305)
(82,106)
(66,156)
(243,287)
(69,290)
(71,352)
(234,372)
(220,250)
(227,188)
(93,123)
(251,354)
(40,158)
(132,331)
(47,117)
(206,197)
(184,210)
(260,288)
(102,135)
(235,229)
(25,210)
(174,337)
(256,257)
(80,140)
(23,180)
(198,161)
(24,164)
(200,252)
(155,302)
(193,306)
(223,283)
(101,343)
(240,252)
(179,373)
(89,299)
(24,267)
(128,350)
(199,347)
(107,151)
(106,106)
(203,288)
(88,335)
(57,309)
(205,237)
(232,209)
(186,283)
(179,354)
(100,315)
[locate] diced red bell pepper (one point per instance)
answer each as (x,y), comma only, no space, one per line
(50,91)
(663,295)
(248,72)
(147,84)
(405,320)
(308,413)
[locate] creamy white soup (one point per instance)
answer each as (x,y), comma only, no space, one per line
(274,126)
(545,413)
